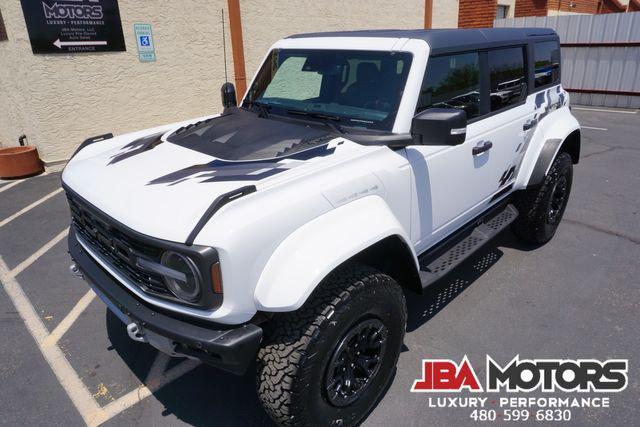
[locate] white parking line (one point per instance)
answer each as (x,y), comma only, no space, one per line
(10,185)
(592,128)
(67,376)
(604,110)
(158,367)
(69,319)
(135,396)
(90,410)
(37,254)
(28,208)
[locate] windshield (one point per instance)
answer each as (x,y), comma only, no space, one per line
(356,88)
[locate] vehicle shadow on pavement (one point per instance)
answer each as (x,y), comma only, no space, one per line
(421,308)
(206,394)
(203,396)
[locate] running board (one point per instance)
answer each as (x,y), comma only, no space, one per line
(434,266)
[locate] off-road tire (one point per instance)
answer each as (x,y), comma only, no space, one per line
(299,346)
(534,205)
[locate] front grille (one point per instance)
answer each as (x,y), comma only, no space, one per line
(116,248)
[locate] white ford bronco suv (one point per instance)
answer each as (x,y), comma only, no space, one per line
(359,169)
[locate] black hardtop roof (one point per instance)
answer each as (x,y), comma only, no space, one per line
(442,40)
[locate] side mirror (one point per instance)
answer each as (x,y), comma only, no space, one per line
(228,95)
(440,126)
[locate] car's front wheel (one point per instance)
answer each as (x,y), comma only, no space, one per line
(329,362)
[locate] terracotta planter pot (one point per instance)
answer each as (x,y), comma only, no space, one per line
(19,161)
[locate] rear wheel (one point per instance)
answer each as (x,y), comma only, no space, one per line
(329,362)
(541,209)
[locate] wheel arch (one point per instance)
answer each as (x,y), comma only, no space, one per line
(363,231)
(558,131)
(550,150)
(392,257)
(571,145)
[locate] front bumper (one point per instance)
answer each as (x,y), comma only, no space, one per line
(229,348)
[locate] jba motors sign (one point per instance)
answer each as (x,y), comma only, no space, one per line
(524,375)
(73,26)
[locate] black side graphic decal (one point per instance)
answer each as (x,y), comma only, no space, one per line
(506,176)
(545,102)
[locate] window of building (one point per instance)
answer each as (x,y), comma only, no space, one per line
(502,11)
(452,81)
(547,63)
(507,77)
(3,30)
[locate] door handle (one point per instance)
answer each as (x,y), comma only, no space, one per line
(479,149)
(528,125)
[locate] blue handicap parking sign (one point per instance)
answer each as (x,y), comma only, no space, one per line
(146,46)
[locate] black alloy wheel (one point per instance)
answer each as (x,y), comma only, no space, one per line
(355,362)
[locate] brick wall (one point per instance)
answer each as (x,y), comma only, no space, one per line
(548,7)
(580,6)
(531,8)
(612,6)
(477,13)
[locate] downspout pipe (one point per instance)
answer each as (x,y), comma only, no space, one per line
(428,14)
(237,48)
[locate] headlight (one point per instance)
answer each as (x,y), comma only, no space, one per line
(186,284)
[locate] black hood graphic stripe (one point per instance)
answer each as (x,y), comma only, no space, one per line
(136,147)
(242,135)
(251,170)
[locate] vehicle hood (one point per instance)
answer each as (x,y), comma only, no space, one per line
(162,182)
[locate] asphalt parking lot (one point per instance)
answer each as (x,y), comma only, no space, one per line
(65,360)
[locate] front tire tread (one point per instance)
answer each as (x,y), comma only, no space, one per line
(288,336)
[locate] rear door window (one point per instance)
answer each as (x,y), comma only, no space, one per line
(507,77)
(452,81)
(547,63)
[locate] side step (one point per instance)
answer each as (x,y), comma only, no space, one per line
(435,264)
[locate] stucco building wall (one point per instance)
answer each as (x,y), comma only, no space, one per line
(445,13)
(59,100)
(263,23)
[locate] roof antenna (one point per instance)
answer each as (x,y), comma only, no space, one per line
(228,91)
(224,48)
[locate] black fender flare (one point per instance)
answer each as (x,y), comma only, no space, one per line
(550,149)
(547,154)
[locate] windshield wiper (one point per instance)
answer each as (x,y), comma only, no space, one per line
(329,119)
(264,108)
